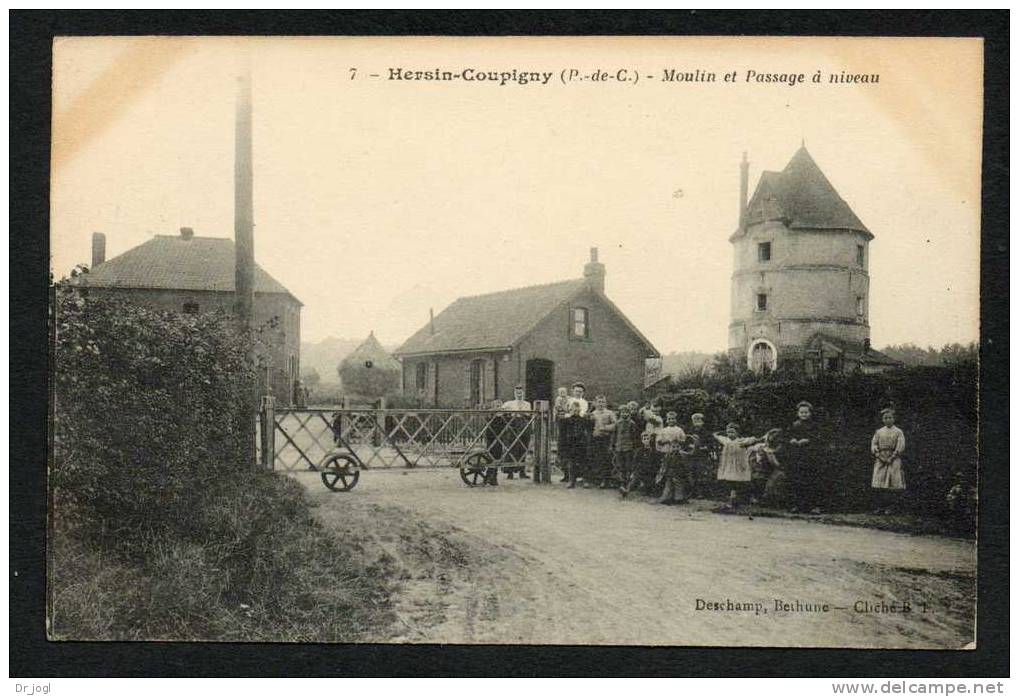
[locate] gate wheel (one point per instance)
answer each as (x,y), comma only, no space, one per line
(473,470)
(340,473)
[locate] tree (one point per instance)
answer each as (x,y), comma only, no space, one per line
(310,378)
(368,380)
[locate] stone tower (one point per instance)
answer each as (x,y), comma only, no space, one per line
(800,286)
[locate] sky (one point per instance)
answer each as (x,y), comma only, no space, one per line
(378,199)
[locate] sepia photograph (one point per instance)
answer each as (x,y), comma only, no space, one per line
(596,341)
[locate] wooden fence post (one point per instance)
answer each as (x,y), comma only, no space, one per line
(380,424)
(267,424)
(542,471)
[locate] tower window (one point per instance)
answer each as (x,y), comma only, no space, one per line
(859,306)
(860,255)
(762,302)
(764,251)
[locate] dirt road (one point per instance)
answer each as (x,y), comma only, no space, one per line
(521,563)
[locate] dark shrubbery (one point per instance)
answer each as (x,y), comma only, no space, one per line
(146,408)
(369,382)
(162,528)
(936,407)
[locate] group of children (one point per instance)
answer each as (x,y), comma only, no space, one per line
(635,449)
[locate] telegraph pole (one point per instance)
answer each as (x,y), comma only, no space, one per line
(244,245)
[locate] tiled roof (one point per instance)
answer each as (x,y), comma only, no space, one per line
(371,349)
(855,351)
(173,262)
(803,197)
(493,320)
(878,358)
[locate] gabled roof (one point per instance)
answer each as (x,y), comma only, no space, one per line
(371,350)
(498,320)
(802,197)
(176,263)
(493,320)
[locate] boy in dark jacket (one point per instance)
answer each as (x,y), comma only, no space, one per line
(575,434)
(624,444)
(645,466)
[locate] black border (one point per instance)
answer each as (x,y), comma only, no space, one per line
(31,33)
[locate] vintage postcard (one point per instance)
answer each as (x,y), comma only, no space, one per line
(597,341)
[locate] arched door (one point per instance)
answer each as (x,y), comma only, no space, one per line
(762,357)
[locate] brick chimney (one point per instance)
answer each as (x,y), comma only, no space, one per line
(594,272)
(186,233)
(98,249)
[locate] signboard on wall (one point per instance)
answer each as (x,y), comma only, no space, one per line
(652,371)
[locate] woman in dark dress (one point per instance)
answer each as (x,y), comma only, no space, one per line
(807,463)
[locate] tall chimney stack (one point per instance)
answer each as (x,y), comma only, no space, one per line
(744,172)
(244,248)
(98,249)
(594,272)
(244,223)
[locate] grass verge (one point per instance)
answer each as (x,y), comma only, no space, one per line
(249,564)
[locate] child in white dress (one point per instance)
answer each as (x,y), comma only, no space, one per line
(887,446)
(734,461)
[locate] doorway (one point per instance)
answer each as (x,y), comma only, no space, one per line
(762,357)
(539,380)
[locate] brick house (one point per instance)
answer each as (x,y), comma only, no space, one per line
(542,337)
(186,273)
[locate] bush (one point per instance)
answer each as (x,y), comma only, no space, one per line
(936,407)
(162,529)
(370,382)
(148,408)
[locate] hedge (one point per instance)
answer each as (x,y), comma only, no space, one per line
(147,409)
(161,528)
(936,406)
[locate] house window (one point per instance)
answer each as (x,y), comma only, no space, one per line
(477,382)
(420,377)
(859,255)
(191,308)
(764,251)
(762,302)
(580,328)
(435,385)
(833,364)
(859,306)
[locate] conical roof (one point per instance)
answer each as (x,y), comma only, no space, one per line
(802,197)
(371,350)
